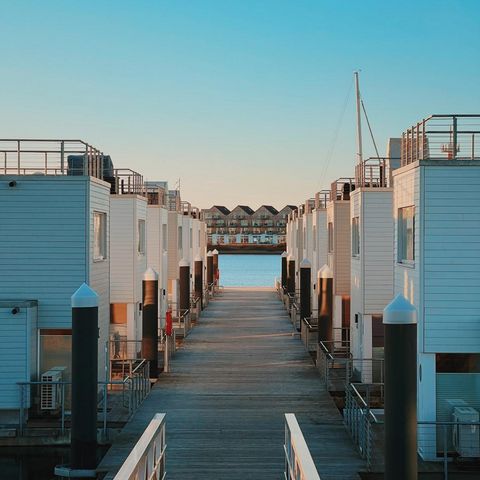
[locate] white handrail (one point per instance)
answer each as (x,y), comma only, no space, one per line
(146,461)
(298,461)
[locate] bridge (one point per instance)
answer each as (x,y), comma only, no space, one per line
(237,374)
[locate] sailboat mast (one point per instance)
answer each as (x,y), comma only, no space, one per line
(359,121)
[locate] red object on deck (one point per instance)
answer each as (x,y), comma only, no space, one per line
(168,323)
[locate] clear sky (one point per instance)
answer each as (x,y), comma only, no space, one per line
(247,101)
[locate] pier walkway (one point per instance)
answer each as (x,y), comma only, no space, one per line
(232,381)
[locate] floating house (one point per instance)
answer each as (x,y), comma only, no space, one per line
(371,287)
(128,254)
(55,217)
(319,238)
(338,250)
(436,207)
(157,238)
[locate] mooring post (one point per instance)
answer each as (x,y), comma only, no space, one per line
(400,321)
(209,268)
(325,306)
(291,275)
(305,290)
(150,321)
(184,276)
(216,273)
(284,272)
(83,454)
(198,280)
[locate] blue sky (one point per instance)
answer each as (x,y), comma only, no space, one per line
(241,99)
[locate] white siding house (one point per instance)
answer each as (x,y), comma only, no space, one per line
(372,255)
(437,257)
(339,253)
(128,263)
(319,239)
(54,238)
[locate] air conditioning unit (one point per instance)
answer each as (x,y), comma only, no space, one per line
(51,395)
(466,438)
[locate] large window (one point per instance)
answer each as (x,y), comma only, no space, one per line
(180,238)
(330,237)
(164,237)
(99,236)
(355,237)
(141,237)
(406,235)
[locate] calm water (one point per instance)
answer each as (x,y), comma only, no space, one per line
(248,270)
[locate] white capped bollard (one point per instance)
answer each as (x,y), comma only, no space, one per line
(216,274)
(284,271)
(150,320)
(305,289)
(209,268)
(291,275)
(198,280)
(325,305)
(400,321)
(83,446)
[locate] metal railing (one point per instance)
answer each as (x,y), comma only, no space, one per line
(181,323)
(322,198)
(442,137)
(373,172)
(342,188)
(309,333)
(132,390)
(298,460)
(147,460)
(128,182)
(440,444)
(26,156)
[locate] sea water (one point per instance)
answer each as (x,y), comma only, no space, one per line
(244,270)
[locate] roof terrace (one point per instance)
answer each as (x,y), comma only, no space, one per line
(442,137)
(23,156)
(374,172)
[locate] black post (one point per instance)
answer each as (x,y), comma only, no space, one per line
(325,306)
(305,289)
(291,276)
(150,321)
(215,266)
(284,271)
(209,268)
(400,321)
(184,286)
(198,280)
(84,379)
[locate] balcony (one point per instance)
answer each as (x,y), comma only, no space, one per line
(341,189)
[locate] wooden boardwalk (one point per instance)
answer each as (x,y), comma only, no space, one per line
(236,375)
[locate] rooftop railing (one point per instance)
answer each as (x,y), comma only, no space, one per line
(341,189)
(128,182)
(373,172)
(321,199)
(24,156)
(442,137)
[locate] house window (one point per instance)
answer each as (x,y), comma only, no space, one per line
(355,237)
(141,237)
(406,235)
(314,238)
(164,237)
(180,238)
(330,237)
(191,238)
(99,236)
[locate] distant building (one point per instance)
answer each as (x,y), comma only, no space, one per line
(243,225)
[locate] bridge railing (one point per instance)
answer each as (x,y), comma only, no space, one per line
(147,460)
(298,460)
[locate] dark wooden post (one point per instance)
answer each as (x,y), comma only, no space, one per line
(325,305)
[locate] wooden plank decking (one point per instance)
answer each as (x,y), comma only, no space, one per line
(238,372)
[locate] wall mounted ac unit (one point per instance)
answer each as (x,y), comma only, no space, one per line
(466,438)
(50,395)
